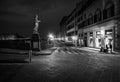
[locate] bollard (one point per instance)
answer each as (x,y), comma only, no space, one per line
(30,56)
(30,51)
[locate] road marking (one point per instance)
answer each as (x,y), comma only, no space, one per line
(68,52)
(79,52)
(74,52)
(62,51)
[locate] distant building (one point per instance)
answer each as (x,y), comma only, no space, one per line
(10,36)
(94,22)
(63,29)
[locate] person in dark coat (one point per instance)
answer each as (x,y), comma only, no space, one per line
(106,50)
(110,46)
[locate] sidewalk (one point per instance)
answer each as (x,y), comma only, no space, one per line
(45,52)
(21,56)
(15,51)
(7,50)
(96,50)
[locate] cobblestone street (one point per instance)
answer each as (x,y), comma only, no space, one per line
(71,65)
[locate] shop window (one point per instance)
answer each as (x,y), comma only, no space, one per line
(91,33)
(98,33)
(108,32)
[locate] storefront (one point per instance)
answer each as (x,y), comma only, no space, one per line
(98,35)
(98,39)
(80,40)
(85,40)
(91,40)
(109,37)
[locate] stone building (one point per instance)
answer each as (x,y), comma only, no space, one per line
(95,22)
(10,36)
(62,30)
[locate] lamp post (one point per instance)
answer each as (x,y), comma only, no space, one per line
(30,51)
(51,38)
(74,38)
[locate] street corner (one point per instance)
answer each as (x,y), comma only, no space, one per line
(53,48)
(44,52)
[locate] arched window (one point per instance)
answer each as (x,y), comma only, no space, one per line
(109,10)
(90,19)
(97,16)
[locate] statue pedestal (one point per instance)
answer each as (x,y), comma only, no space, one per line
(35,42)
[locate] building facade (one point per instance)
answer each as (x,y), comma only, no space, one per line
(10,36)
(95,23)
(62,31)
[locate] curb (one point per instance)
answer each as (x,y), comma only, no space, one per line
(45,52)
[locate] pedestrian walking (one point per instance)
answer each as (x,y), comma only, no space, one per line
(110,46)
(102,45)
(106,50)
(101,48)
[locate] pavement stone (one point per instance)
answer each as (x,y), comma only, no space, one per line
(96,50)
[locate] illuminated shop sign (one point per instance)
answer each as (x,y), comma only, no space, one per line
(98,33)
(108,32)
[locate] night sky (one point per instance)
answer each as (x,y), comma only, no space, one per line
(17,16)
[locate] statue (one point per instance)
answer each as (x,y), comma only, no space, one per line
(35,40)
(36,24)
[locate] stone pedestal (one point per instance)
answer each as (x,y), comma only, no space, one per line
(35,42)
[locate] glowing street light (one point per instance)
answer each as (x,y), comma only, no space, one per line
(51,36)
(66,38)
(74,37)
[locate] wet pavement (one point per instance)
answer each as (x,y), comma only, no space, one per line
(71,65)
(65,64)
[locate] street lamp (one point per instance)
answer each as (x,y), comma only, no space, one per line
(74,38)
(51,36)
